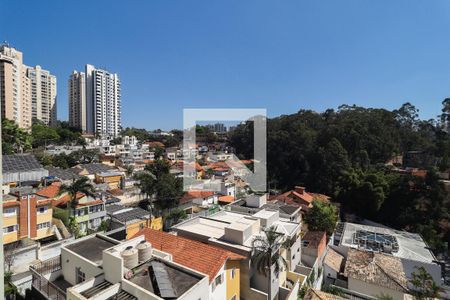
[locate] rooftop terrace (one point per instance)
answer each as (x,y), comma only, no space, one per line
(91,248)
(400,244)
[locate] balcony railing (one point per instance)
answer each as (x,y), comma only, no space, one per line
(47,266)
(47,288)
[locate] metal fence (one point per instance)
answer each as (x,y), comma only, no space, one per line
(47,266)
(42,284)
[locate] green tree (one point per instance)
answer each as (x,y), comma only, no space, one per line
(168,190)
(79,186)
(424,285)
(14,139)
(130,170)
(266,254)
(322,217)
(147,185)
(10,288)
(74,227)
(43,134)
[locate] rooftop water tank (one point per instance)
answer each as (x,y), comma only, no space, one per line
(144,251)
(130,257)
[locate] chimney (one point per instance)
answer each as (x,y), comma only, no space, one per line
(300,189)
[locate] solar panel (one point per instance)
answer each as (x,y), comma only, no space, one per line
(375,241)
(162,278)
(19,163)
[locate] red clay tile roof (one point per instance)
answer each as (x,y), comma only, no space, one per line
(43,202)
(180,165)
(299,196)
(116,192)
(227,199)
(155,144)
(195,194)
(219,164)
(50,191)
(90,203)
(207,259)
(11,203)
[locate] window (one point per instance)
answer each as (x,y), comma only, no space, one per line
(43,225)
(305,243)
(80,276)
(218,280)
(42,209)
(10,211)
(12,228)
(233,273)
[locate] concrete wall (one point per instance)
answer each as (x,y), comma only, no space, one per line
(295,254)
(434,270)
(70,261)
(220,291)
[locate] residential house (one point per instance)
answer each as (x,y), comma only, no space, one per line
(221,266)
(235,232)
(410,248)
(100,267)
(376,274)
(88,212)
(256,202)
(26,216)
(66,176)
(298,196)
(333,266)
(199,197)
(90,170)
(314,244)
(113,179)
(133,218)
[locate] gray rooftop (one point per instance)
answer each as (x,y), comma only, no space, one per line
(410,245)
(163,279)
(91,248)
(20,163)
(126,214)
(63,174)
(93,168)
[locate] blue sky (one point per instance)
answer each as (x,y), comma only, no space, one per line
(279,55)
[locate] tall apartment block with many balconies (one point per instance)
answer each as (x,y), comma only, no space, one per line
(95,102)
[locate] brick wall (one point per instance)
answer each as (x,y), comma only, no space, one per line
(23,217)
(33,216)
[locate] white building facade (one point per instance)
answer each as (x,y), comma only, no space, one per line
(43,95)
(97,108)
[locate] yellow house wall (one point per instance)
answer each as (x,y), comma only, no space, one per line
(42,233)
(233,284)
(134,228)
(10,237)
(9,221)
(157,224)
(47,217)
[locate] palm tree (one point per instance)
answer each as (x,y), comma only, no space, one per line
(266,254)
(81,185)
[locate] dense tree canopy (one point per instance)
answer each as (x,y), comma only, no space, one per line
(344,154)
